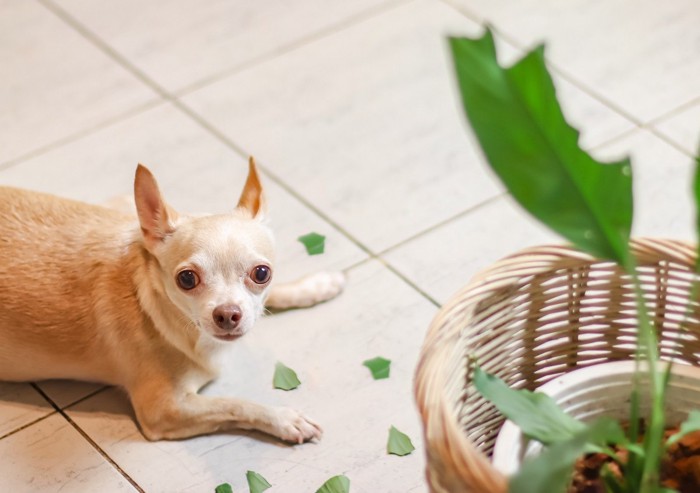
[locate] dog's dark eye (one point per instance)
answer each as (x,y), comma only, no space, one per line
(187,279)
(261,274)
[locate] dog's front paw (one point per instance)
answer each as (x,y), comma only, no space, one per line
(293,426)
(322,286)
(307,291)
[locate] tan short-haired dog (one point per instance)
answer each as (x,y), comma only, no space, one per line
(89,293)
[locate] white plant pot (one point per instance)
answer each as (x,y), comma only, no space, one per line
(597,391)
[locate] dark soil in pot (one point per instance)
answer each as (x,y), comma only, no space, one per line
(680,469)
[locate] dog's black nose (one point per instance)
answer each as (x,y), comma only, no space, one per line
(227,317)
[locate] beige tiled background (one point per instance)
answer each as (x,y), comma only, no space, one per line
(351,110)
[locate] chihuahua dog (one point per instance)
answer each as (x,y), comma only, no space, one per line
(90,293)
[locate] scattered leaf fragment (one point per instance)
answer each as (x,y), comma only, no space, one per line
(337,484)
(285,378)
(379,367)
(224,488)
(256,483)
(399,443)
(314,243)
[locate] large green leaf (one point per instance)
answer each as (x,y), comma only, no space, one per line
(551,470)
(528,143)
(537,415)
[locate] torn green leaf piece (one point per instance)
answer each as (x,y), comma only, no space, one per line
(256,483)
(285,378)
(379,367)
(399,443)
(314,243)
(337,484)
(224,488)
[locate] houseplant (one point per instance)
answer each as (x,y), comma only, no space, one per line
(526,140)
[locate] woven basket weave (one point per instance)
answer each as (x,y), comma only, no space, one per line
(527,319)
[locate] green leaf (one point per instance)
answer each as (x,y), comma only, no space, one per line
(537,415)
(224,488)
(337,484)
(551,470)
(691,424)
(256,483)
(379,367)
(399,443)
(314,243)
(285,378)
(530,146)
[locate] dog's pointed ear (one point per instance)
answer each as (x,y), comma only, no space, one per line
(253,198)
(157,219)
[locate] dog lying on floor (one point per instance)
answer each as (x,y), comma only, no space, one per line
(90,293)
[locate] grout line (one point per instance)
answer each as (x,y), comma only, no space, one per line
(673,112)
(380,255)
(442,223)
(617,138)
(86,397)
(138,110)
(640,124)
(293,45)
(391,268)
(27,425)
(87,437)
(125,63)
(408,281)
(553,66)
(107,49)
(669,141)
(556,68)
(465,11)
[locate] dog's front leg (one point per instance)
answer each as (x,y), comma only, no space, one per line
(306,291)
(174,417)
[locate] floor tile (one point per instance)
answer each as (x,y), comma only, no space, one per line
(66,392)
(52,456)
(641,55)
(20,404)
(377,315)
(683,128)
(196,172)
(365,123)
(177,43)
(662,177)
(60,84)
(443,261)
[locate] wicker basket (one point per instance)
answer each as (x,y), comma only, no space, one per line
(527,319)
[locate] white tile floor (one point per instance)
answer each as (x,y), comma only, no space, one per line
(350,109)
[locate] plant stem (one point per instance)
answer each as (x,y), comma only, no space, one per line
(657,419)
